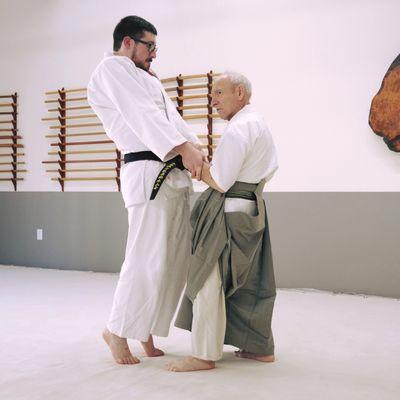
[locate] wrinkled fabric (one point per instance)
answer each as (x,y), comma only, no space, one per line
(240,243)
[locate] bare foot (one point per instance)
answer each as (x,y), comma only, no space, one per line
(119,348)
(150,350)
(190,364)
(253,356)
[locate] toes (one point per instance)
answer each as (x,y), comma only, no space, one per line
(132,360)
(154,353)
(171,367)
(128,360)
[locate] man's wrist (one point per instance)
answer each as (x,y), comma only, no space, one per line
(181,149)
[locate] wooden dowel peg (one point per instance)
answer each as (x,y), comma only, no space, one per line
(75,126)
(209,136)
(52,153)
(13,163)
(11,179)
(7,122)
(66,100)
(12,154)
(12,170)
(191,96)
(188,87)
(102,178)
(8,105)
(113,160)
(192,107)
(12,145)
(83,170)
(77,134)
(66,91)
(82,143)
(70,117)
(183,77)
(11,137)
(199,116)
(166,80)
(69,109)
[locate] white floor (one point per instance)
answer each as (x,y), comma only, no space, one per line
(327,346)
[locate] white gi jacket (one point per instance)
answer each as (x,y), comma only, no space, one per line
(138,115)
(246,152)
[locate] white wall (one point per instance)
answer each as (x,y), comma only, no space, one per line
(315,66)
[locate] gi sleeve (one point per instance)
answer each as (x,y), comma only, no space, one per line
(228,158)
(180,123)
(121,83)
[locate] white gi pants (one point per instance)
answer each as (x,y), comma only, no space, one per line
(155,267)
(209,314)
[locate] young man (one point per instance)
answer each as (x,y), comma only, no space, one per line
(145,126)
(230,289)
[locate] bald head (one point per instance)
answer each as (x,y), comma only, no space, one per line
(230,93)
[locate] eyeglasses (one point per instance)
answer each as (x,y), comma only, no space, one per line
(151,46)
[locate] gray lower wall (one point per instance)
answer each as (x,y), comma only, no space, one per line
(346,242)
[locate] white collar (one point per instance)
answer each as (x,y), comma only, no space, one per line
(247,108)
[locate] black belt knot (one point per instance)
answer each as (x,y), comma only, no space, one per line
(175,162)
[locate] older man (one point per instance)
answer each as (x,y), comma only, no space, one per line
(144,124)
(230,289)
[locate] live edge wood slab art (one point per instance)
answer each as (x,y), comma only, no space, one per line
(384,116)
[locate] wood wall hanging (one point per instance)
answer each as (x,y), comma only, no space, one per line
(192,96)
(10,141)
(81,151)
(384,116)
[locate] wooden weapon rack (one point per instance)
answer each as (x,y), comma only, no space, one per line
(192,96)
(73,124)
(10,141)
(78,138)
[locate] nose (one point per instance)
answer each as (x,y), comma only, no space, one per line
(214,101)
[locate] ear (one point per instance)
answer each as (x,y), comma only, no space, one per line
(240,92)
(127,42)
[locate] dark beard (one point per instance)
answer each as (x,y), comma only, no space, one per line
(141,66)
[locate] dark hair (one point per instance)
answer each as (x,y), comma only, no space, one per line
(131,25)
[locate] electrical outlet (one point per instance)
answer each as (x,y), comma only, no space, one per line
(39,234)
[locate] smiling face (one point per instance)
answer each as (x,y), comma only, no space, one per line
(228,98)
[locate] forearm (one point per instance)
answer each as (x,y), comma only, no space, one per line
(208,179)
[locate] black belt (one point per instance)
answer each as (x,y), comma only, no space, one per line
(175,162)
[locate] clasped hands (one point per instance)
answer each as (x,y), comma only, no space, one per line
(194,159)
